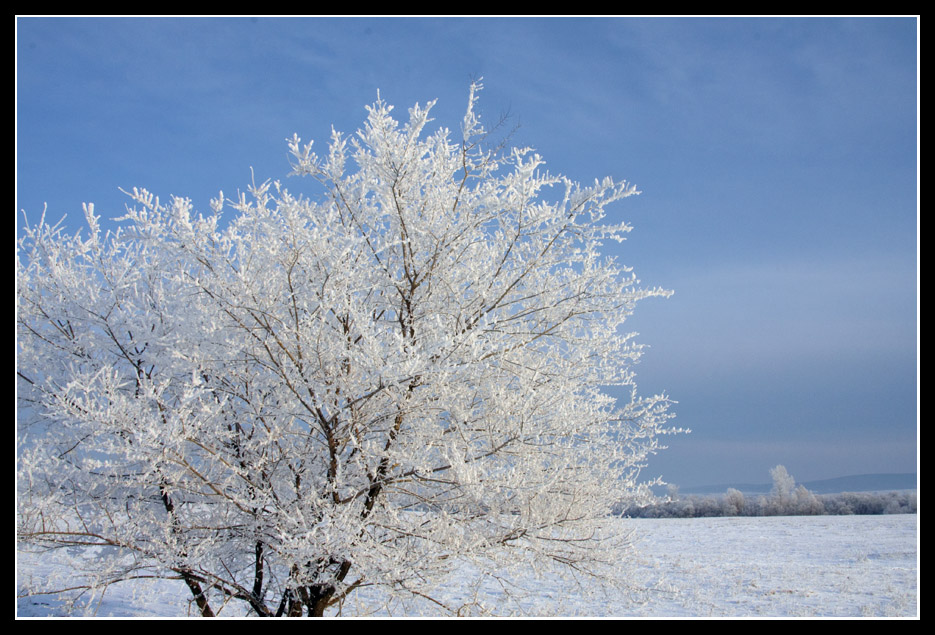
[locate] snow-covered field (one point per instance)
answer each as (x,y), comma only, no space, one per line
(785,566)
(775,566)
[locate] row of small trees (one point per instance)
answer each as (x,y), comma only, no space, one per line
(785,499)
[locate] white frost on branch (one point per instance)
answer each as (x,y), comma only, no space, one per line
(346,395)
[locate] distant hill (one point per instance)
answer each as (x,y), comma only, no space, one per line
(857,483)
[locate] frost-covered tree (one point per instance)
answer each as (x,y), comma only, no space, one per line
(734,503)
(787,498)
(783,492)
(362,392)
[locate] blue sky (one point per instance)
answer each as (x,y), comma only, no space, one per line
(778,160)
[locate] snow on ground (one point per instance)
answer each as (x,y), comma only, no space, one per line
(785,566)
(841,566)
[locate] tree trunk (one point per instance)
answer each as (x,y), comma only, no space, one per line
(200,598)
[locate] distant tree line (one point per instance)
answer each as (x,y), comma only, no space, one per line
(785,499)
